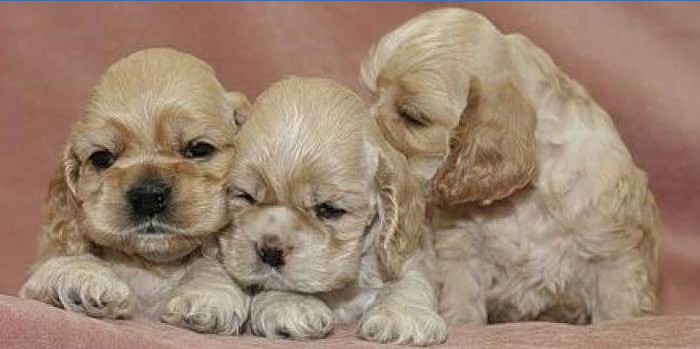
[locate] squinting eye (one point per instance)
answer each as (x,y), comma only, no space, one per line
(102,159)
(410,120)
(327,211)
(196,150)
(245,196)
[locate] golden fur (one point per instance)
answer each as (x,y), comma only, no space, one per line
(310,144)
(96,258)
(538,209)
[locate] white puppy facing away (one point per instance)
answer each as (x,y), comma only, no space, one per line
(537,207)
(327,222)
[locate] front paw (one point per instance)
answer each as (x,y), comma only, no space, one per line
(400,324)
(219,311)
(96,292)
(287,315)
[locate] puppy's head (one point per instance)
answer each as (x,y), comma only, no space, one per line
(312,192)
(145,167)
(447,97)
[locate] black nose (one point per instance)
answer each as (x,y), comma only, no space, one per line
(272,256)
(149,197)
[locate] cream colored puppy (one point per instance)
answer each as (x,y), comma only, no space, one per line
(538,209)
(327,224)
(139,198)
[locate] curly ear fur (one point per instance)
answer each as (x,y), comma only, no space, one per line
(61,233)
(492,149)
(241,107)
(402,212)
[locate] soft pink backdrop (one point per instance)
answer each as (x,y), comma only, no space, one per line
(640,61)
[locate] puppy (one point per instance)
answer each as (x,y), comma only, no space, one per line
(135,206)
(538,209)
(326,222)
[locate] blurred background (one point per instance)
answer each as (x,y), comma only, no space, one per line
(640,61)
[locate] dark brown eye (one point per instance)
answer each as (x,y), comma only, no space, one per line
(102,159)
(198,150)
(326,211)
(411,119)
(245,196)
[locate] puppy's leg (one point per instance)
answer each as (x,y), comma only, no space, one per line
(82,284)
(625,288)
(208,301)
(404,312)
(462,298)
(461,276)
(277,314)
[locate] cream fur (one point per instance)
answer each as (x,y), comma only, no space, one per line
(567,229)
(309,142)
(95,258)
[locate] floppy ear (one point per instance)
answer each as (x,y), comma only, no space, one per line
(241,107)
(62,234)
(402,211)
(492,151)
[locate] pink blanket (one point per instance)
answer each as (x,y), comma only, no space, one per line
(33,325)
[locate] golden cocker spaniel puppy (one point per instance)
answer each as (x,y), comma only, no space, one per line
(139,197)
(327,223)
(538,210)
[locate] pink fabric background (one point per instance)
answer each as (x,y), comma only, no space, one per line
(32,325)
(640,61)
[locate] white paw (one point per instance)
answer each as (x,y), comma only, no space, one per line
(402,325)
(220,311)
(287,315)
(96,292)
